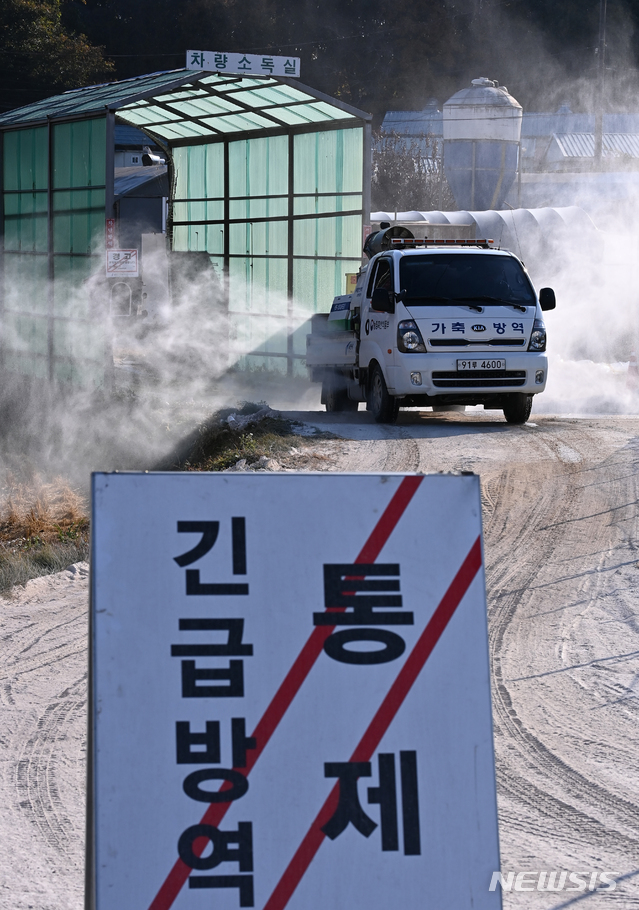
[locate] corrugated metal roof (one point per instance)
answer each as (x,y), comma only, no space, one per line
(136,181)
(185,104)
(130,137)
(539,124)
(582,145)
(414,123)
(418,123)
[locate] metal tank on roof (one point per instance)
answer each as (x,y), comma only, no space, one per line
(482,128)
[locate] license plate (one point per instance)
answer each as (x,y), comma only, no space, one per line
(481,365)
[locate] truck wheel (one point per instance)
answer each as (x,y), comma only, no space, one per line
(383,407)
(335,395)
(518,408)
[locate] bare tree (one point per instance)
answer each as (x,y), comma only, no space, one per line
(408,175)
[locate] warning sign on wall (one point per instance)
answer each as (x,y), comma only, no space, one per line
(291,694)
(122,262)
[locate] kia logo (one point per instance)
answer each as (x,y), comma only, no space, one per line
(478,328)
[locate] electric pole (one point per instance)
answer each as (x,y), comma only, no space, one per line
(601,84)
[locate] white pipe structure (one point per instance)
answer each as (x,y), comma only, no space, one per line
(513,229)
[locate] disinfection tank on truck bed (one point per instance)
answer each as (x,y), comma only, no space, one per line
(433,323)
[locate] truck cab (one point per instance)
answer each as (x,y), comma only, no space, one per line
(441,323)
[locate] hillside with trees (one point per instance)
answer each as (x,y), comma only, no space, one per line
(39,55)
(376,55)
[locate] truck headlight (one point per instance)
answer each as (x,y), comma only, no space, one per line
(538,337)
(409,338)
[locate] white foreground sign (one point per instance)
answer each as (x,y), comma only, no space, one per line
(122,262)
(243,64)
(290,694)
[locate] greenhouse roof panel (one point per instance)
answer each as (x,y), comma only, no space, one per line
(199,108)
(270,95)
(182,95)
(92,99)
(183,104)
(293,116)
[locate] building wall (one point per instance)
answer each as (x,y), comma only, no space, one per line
(290,231)
(53,203)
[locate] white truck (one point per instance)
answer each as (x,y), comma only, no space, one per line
(433,324)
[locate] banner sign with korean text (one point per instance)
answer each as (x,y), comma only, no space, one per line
(243,64)
(290,694)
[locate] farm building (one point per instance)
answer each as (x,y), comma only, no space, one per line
(267,177)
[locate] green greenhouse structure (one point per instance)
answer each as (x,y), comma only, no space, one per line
(267,176)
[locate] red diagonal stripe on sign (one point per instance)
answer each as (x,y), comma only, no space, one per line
(291,685)
(380,723)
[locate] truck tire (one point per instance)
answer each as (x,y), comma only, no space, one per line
(518,407)
(383,407)
(335,395)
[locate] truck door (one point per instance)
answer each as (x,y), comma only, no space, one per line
(378,329)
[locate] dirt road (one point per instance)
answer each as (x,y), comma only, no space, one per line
(43,629)
(561,498)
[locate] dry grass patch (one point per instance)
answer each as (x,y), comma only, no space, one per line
(219,447)
(44,524)
(44,528)
(216,446)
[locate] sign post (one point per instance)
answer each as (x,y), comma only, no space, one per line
(290,694)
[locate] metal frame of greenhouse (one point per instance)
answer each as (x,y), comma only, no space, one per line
(270,177)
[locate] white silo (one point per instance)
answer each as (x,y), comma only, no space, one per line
(482,128)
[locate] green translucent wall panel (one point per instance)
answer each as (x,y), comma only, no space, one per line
(263,364)
(329,162)
(259,238)
(259,208)
(25,222)
(26,333)
(25,283)
(340,236)
(26,364)
(198,211)
(318,205)
(299,337)
(24,330)
(70,298)
(78,220)
(78,341)
(79,176)
(25,159)
(317,281)
(327,171)
(218,264)
(199,172)
(79,153)
(202,237)
(82,374)
(258,286)
(259,333)
(258,167)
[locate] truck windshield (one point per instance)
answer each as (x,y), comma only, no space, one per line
(462,278)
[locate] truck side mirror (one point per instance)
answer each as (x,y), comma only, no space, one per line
(381,301)
(547,299)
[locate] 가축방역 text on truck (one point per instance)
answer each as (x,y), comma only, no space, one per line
(433,323)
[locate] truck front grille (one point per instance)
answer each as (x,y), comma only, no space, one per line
(479,379)
(466,342)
